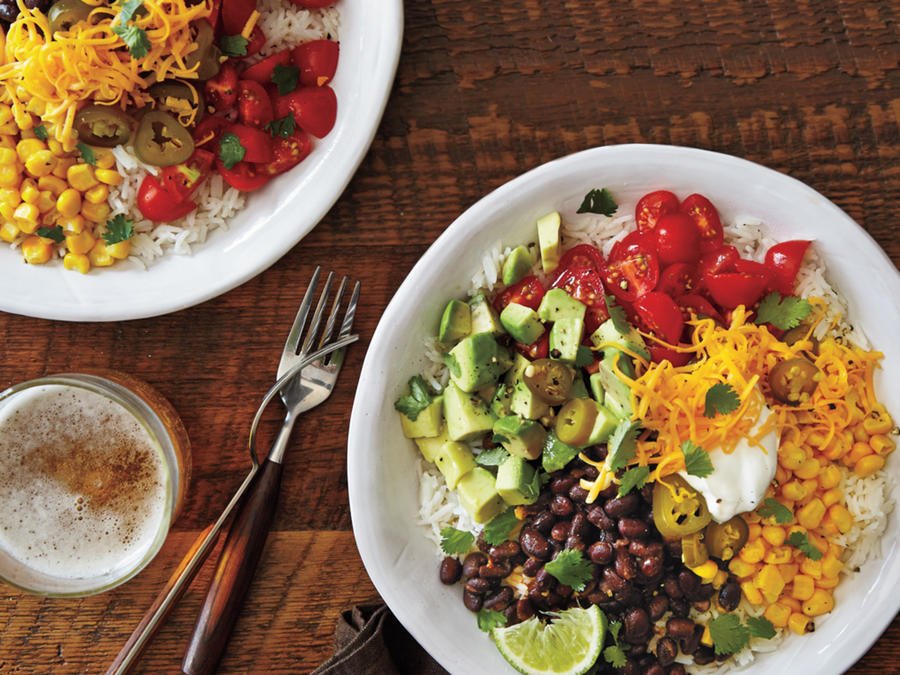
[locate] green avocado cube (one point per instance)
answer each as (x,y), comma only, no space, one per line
(548,240)
(467,416)
(526,403)
(427,423)
(456,322)
(500,404)
(608,335)
(557,304)
(521,323)
(578,389)
(565,338)
(517,481)
(517,264)
(431,446)
(523,437)
(484,318)
(478,495)
(604,425)
(616,394)
(454,460)
(596,382)
(477,361)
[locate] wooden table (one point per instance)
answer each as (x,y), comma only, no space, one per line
(485,91)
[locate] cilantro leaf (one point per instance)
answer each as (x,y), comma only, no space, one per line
(583,357)
(492,457)
(499,527)
(772,508)
(285,78)
(452,364)
(801,540)
(760,627)
(134,38)
(598,201)
(570,567)
(283,127)
(233,45)
(617,314)
(696,460)
(489,619)
(633,479)
(119,228)
(532,489)
(418,399)
(615,654)
(728,634)
(87,153)
(55,233)
(456,542)
(722,399)
(556,454)
(622,444)
(129,7)
(230,150)
(40,131)
(784,312)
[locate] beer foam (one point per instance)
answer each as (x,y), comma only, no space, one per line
(82,483)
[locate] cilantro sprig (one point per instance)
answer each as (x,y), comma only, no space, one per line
(633,479)
(488,619)
(614,655)
(230,150)
(134,38)
(55,233)
(622,445)
(729,635)
(772,508)
(598,201)
(456,542)
(696,460)
(492,457)
(40,131)
(556,454)
(118,229)
(782,311)
(285,78)
(283,127)
(721,399)
(499,527)
(233,45)
(570,567)
(801,541)
(87,153)
(416,401)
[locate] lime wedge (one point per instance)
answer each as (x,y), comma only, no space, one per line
(570,643)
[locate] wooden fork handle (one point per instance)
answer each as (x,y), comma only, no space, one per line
(234,572)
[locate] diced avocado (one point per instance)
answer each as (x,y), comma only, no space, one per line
(427,423)
(596,382)
(607,334)
(548,240)
(557,304)
(477,361)
(484,318)
(617,394)
(517,264)
(501,400)
(565,338)
(478,495)
(621,360)
(525,403)
(578,389)
(521,323)
(605,423)
(523,437)
(467,415)
(517,481)
(454,460)
(514,374)
(430,447)
(456,322)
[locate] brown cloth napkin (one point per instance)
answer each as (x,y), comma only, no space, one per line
(369,639)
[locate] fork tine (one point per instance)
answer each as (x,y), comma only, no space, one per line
(332,318)
(337,358)
(317,317)
(293,340)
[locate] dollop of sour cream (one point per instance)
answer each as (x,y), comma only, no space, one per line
(740,479)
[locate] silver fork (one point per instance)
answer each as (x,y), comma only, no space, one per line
(257,496)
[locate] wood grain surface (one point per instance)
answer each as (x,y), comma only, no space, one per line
(486,90)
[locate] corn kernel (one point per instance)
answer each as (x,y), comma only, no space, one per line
(52,184)
(742,569)
(720,579)
(105,161)
(37,250)
(99,256)
(55,147)
(63,164)
(779,555)
(793,491)
(706,638)
(788,571)
(8,142)
(96,213)
(809,469)
(706,571)
(69,203)
(868,465)
(811,515)
(108,176)
(827,583)
(841,517)
(29,146)
(803,587)
(837,448)
(782,475)
(97,194)
(8,231)
(832,496)
(45,201)
(8,156)
(122,250)
(78,262)
(857,452)
(754,551)
(860,434)
(878,422)
(80,243)
(881,444)
(81,177)
(800,624)
(792,603)
(812,568)
(26,217)
(751,592)
(41,163)
(791,456)
(829,477)
(73,225)
(770,583)
(10,176)
(778,614)
(820,603)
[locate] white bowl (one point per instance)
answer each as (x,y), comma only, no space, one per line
(403,564)
(275,219)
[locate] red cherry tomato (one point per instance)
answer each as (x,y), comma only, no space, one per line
(677,279)
(235,14)
(633,274)
(699,306)
(257,144)
(706,220)
(583,255)
(539,349)
(289,152)
(256,41)
(717,261)
(756,269)
(317,61)
(262,72)
(158,204)
(314,109)
(254,105)
(243,176)
(659,353)
(653,205)
(208,131)
(784,261)
(215,11)
(585,284)
(677,240)
(659,314)
(182,180)
(222,90)
(636,240)
(730,289)
(529,292)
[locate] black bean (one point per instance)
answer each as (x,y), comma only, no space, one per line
(629,596)
(562,484)
(645,549)
(613,581)
(690,645)
(601,552)
(8,11)
(499,600)
(534,543)
(636,624)
(562,506)
(702,605)
(478,585)
(689,583)
(506,550)
(451,570)
(555,600)
(704,655)
(472,601)
(543,522)
(580,526)
(680,607)
(564,591)
(524,609)
(471,564)
(671,587)
(679,629)
(495,570)
(512,617)
(730,595)
(677,669)
(673,548)
(651,567)
(619,507)
(560,531)
(705,591)
(666,651)
(578,472)
(632,528)
(531,567)
(544,579)
(578,493)
(575,543)
(482,545)
(655,669)
(625,566)
(597,516)
(657,607)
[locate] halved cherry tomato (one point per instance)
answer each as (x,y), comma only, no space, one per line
(243,176)
(659,314)
(317,61)
(784,261)
(632,275)
(157,204)
(289,152)
(757,269)
(706,219)
(182,180)
(698,305)
(653,205)
(636,240)
(717,261)
(262,72)
(585,284)
(529,292)
(221,92)
(730,289)
(539,349)
(235,14)
(659,353)
(677,239)
(208,131)
(256,42)
(677,279)
(254,105)
(314,109)
(257,144)
(583,255)
(215,11)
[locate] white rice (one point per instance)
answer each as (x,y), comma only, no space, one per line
(285,25)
